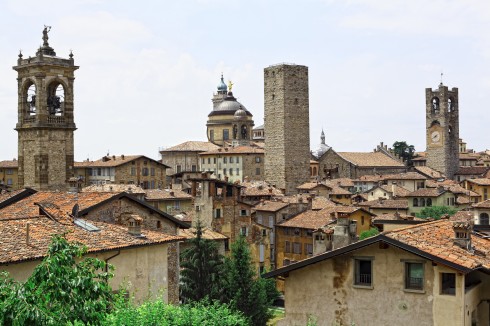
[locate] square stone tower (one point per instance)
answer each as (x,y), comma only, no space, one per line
(442,129)
(287,126)
(45,123)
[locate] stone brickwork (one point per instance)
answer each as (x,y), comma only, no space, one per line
(442,129)
(45,119)
(286,115)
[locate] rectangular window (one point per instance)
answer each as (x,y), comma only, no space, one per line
(152,172)
(257,159)
(194,168)
(99,171)
(238,159)
(287,247)
(209,160)
(179,168)
(224,171)
(144,172)
(237,171)
(226,134)
(244,231)
(214,160)
(414,276)
(9,182)
(225,160)
(231,171)
(243,212)
(448,283)
(308,249)
(286,231)
(203,160)
(9,171)
(217,213)
(257,171)
(363,272)
(296,247)
(231,159)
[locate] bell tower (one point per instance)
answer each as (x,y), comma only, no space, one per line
(45,123)
(442,129)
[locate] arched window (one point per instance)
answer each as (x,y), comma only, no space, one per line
(435,105)
(429,202)
(415,202)
(31,100)
(484,219)
(422,202)
(56,99)
(450,105)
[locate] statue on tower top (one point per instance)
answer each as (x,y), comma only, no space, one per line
(45,35)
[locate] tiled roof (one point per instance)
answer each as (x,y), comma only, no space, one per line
(4,195)
(480,181)
(259,188)
(186,217)
(444,183)
(469,156)
(295,199)
(270,206)
(395,190)
(207,234)
(483,204)
(192,146)
(404,176)
(235,150)
(397,217)
(436,238)
(14,247)
(385,203)
(336,189)
(310,186)
(369,178)
(113,161)
(166,194)
(462,216)
(457,189)
(343,182)
(425,192)
(9,164)
(309,220)
(370,159)
(472,170)
(115,187)
(320,202)
(429,172)
(64,200)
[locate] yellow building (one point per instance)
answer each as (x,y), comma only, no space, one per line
(481,186)
(9,174)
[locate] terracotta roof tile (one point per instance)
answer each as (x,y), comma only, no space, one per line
(166,194)
(14,247)
(115,187)
(385,203)
(309,220)
(207,234)
(270,206)
(472,170)
(483,204)
(259,188)
(480,181)
(320,202)
(404,176)
(9,164)
(370,159)
(429,172)
(192,146)
(113,161)
(235,150)
(425,192)
(437,238)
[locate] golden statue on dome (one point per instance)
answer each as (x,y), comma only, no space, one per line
(230,85)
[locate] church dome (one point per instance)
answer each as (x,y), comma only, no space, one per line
(240,114)
(222,86)
(323,148)
(230,104)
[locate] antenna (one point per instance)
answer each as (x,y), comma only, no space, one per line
(441,76)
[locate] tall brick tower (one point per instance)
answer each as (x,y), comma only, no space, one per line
(287,126)
(442,129)
(45,118)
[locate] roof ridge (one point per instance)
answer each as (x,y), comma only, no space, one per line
(414,226)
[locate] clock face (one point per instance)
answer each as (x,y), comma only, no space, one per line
(435,136)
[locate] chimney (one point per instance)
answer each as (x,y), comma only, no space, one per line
(122,157)
(462,234)
(114,157)
(28,236)
(172,194)
(134,227)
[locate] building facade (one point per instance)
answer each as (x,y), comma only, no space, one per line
(287,123)
(45,123)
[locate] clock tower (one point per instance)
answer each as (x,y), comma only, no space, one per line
(442,129)
(45,123)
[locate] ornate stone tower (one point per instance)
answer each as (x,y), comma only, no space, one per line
(287,125)
(45,118)
(442,129)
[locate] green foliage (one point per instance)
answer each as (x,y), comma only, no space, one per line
(61,289)
(369,233)
(202,269)
(405,151)
(157,313)
(436,212)
(246,291)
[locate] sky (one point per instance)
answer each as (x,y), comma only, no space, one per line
(148,69)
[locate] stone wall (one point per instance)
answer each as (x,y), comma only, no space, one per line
(123,174)
(185,159)
(286,115)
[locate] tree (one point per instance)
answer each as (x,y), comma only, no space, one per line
(244,289)
(202,269)
(369,233)
(405,151)
(436,212)
(63,288)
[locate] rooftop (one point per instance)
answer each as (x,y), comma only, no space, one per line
(370,159)
(192,146)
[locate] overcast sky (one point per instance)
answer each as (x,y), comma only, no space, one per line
(148,69)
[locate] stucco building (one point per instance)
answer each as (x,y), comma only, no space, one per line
(9,174)
(185,157)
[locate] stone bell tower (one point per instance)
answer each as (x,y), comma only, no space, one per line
(442,129)
(45,123)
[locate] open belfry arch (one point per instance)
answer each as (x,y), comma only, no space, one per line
(45,123)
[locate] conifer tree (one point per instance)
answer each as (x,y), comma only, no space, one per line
(202,269)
